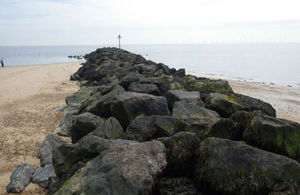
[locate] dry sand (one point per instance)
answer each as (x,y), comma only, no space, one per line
(29,99)
(31,95)
(286,100)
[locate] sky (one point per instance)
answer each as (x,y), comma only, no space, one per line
(82,22)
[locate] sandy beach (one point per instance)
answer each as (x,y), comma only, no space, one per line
(31,95)
(29,99)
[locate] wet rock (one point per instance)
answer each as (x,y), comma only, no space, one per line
(20,178)
(144,88)
(111,129)
(43,175)
(164,67)
(129,169)
(181,152)
(145,128)
(83,124)
(230,167)
(126,106)
(180,95)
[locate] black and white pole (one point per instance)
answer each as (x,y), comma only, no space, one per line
(119,37)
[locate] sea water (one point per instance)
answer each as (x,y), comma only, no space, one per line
(277,63)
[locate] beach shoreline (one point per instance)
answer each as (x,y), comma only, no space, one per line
(31,95)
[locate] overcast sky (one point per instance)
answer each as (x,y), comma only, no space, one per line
(64,22)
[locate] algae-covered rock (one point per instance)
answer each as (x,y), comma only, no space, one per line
(83,124)
(145,128)
(230,167)
(110,129)
(276,135)
(127,169)
(126,106)
(225,105)
(180,95)
(144,88)
(181,152)
(206,86)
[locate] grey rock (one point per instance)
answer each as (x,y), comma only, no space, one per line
(184,110)
(20,178)
(126,106)
(180,95)
(110,129)
(144,88)
(181,153)
(50,149)
(43,175)
(129,169)
(65,126)
(145,128)
(83,124)
(130,78)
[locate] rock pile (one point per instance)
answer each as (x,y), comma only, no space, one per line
(138,127)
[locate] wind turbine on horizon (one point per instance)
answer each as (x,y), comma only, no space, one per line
(119,37)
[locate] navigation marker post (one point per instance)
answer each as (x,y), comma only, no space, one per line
(119,37)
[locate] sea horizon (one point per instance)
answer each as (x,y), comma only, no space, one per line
(270,63)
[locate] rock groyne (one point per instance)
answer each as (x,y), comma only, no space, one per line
(140,127)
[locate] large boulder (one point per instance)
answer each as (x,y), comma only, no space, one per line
(126,106)
(184,110)
(226,105)
(83,124)
(95,102)
(230,167)
(194,118)
(145,128)
(20,178)
(110,129)
(144,88)
(181,153)
(276,135)
(127,169)
(206,86)
(180,95)
(226,128)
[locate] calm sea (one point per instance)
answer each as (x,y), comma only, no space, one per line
(270,63)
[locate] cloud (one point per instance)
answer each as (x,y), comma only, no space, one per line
(141,21)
